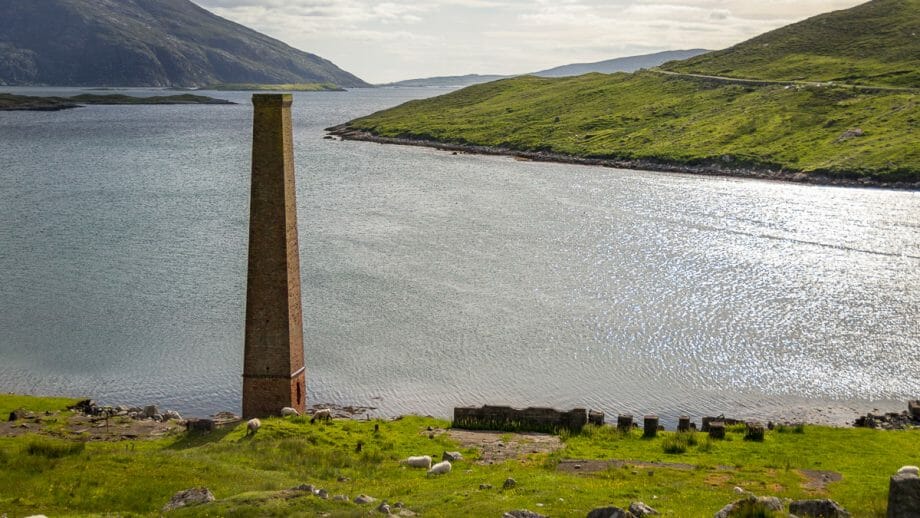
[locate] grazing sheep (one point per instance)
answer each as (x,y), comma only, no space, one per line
(423,461)
(252,426)
(440,468)
(323,414)
(288,411)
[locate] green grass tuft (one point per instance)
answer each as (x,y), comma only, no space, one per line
(54,449)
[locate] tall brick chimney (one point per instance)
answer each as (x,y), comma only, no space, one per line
(273,365)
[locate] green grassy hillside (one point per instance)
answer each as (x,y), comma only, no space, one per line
(836,131)
(44,468)
(876,43)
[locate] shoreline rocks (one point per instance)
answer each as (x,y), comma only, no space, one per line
(714,168)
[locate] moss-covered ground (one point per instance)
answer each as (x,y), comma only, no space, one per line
(835,131)
(61,475)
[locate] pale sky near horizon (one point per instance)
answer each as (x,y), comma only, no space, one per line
(397,39)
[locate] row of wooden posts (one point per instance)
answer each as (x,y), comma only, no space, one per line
(715,427)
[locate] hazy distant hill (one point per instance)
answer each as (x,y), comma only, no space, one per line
(627,64)
(873,43)
(145,43)
(447,81)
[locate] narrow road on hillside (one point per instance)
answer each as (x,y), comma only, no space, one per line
(767,82)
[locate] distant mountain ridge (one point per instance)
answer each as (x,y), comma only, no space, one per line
(609,66)
(145,43)
(626,64)
(447,81)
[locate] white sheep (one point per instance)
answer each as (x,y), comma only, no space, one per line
(440,468)
(323,414)
(288,411)
(252,426)
(423,461)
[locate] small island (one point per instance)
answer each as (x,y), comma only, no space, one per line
(12,102)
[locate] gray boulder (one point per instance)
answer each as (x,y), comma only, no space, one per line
(904,494)
(749,505)
(509,483)
(364,499)
(452,456)
(610,512)
(194,496)
(640,509)
(818,509)
(150,411)
(522,513)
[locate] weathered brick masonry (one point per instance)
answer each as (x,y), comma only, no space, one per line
(273,368)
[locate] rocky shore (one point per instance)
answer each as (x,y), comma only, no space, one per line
(724,167)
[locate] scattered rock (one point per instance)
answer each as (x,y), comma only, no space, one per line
(344,479)
(510,483)
(818,509)
(610,512)
(750,506)
(308,488)
(914,408)
(194,496)
(522,513)
(904,494)
(485,486)
(384,508)
(640,509)
(199,425)
(322,493)
(150,411)
(364,499)
(452,456)
(852,133)
(172,415)
(340,498)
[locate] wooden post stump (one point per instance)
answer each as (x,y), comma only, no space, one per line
(754,431)
(717,430)
(624,422)
(650,426)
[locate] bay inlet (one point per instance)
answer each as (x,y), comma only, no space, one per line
(432,280)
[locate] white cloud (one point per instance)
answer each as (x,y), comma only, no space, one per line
(400,39)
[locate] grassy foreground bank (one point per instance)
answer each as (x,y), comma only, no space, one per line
(830,131)
(56,472)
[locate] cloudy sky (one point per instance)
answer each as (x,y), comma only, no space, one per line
(403,39)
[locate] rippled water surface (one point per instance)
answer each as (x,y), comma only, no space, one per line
(433,280)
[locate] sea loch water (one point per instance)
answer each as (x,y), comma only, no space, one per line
(432,280)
